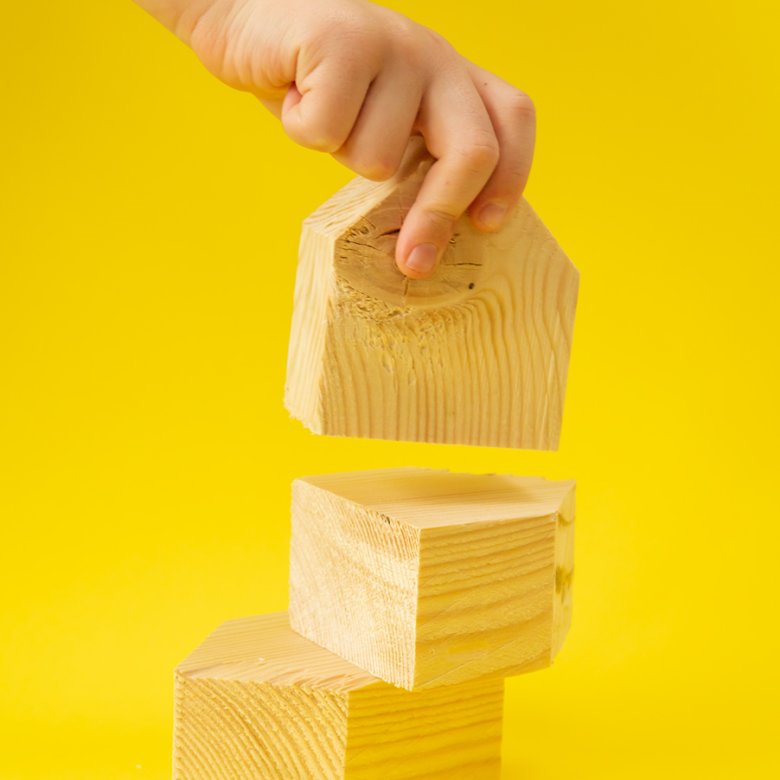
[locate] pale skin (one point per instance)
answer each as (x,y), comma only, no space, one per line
(358,80)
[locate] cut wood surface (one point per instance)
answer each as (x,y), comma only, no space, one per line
(256,701)
(478,354)
(426,578)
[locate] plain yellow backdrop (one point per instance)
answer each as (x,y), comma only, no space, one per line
(149,219)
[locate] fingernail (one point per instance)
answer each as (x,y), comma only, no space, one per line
(422,258)
(492,215)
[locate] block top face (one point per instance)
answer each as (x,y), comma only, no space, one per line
(264,649)
(364,220)
(428,498)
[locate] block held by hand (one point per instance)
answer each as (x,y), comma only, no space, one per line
(477,354)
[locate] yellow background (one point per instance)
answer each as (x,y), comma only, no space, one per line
(149,218)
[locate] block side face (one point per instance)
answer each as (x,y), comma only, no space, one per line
(564,572)
(353,582)
(476,355)
(485,600)
(548,313)
(309,328)
(448,732)
(246,730)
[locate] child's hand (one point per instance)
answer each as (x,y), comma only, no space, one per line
(357,80)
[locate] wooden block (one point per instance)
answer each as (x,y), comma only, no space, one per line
(476,355)
(256,701)
(426,577)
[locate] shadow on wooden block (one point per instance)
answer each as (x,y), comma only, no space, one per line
(428,578)
(478,354)
(258,701)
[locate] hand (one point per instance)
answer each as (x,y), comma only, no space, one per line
(358,80)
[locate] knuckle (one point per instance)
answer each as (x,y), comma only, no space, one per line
(379,170)
(437,40)
(376,169)
(403,30)
(521,105)
(408,51)
(315,135)
(368,160)
(482,153)
(325,143)
(514,185)
(441,215)
(513,171)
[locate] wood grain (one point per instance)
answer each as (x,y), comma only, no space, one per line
(258,701)
(476,355)
(426,578)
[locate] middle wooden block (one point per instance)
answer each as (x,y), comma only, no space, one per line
(426,578)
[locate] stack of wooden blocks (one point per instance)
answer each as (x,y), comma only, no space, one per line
(413,592)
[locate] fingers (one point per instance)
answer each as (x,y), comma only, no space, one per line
(321,108)
(513,118)
(458,133)
(480,130)
(381,133)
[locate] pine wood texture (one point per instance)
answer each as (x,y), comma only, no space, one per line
(426,578)
(256,701)
(476,355)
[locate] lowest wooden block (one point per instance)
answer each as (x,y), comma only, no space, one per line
(478,354)
(256,701)
(426,578)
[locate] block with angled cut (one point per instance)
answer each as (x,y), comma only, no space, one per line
(477,354)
